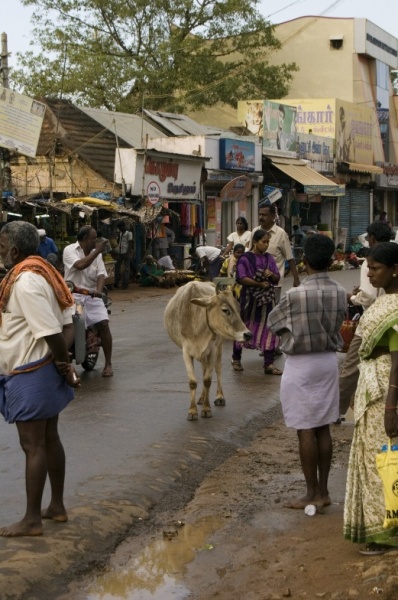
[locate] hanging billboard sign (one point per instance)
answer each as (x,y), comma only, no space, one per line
(280,134)
(237,155)
(21,119)
(237,189)
(158,175)
(250,114)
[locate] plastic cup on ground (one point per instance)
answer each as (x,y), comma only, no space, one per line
(310,510)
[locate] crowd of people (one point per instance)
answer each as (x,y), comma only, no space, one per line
(36,333)
(305,323)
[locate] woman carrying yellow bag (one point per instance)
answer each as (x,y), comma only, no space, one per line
(375,411)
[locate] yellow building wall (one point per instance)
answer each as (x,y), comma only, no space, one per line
(324,72)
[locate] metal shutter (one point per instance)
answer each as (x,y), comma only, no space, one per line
(354,212)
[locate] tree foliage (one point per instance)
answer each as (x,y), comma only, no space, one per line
(169,55)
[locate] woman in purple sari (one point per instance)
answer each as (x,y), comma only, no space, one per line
(257,272)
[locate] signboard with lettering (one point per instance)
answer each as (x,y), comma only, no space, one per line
(21,119)
(157,176)
(237,155)
(237,189)
(351,125)
(354,133)
(318,150)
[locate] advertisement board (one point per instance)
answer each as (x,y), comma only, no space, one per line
(318,150)
(237,155)
(250,114)
(21,119)
(159,176)
(280,128)
(354,133)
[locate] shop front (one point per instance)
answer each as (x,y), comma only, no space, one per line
(308,197)
(356,207)
(232,188)
(159,178)
(386,192)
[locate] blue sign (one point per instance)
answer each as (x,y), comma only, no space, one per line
(237,155)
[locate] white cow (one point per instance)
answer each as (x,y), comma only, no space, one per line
(198,320)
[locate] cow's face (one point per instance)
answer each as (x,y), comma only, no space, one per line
(223,316)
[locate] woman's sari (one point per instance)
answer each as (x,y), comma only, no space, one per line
(364,502)
(256,303)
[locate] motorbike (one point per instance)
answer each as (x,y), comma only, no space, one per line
(85,349)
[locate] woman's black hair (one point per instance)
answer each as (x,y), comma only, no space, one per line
(238,247)
(244,221)
(385,253)
(318,251)
(258,235)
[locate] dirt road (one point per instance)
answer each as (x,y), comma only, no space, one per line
(234,540)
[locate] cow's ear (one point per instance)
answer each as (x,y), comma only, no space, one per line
(204,302)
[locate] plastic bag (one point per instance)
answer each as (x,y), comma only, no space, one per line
(387,466)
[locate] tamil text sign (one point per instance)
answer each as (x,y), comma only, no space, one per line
(21,119)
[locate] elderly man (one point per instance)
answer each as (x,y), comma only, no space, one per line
(35,332)
(85,268)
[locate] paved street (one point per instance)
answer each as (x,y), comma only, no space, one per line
(127,440)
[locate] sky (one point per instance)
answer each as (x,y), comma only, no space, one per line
(15,18)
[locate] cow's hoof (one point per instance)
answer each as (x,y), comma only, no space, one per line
(219,401)
(192,417)
(206,414)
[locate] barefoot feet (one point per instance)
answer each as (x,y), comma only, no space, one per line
(61,516)
(301,503)
(22,528)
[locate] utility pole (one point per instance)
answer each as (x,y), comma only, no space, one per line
(5,170)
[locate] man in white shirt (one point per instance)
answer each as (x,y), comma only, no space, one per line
(85,268)
(36,328)
(211,256)
(279,244)
(166,262)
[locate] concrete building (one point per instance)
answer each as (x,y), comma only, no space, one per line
(342,91)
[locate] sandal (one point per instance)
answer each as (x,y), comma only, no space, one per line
(272,370)
(237,365)
(374,549)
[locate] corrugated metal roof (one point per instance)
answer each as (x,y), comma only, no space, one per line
(131,128)
(68,129)
(177,124)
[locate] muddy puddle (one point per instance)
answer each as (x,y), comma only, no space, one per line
(157,572)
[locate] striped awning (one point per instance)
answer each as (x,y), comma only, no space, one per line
(361,168)
(313,182)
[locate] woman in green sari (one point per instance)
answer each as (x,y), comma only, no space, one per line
(375,410)
(150,273)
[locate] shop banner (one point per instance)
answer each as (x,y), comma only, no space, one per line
(354,129)
(318,150)
(250,114)
(280,129)
(158,177)
(236,190)
(271,195)
(236,155)
(21,119)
